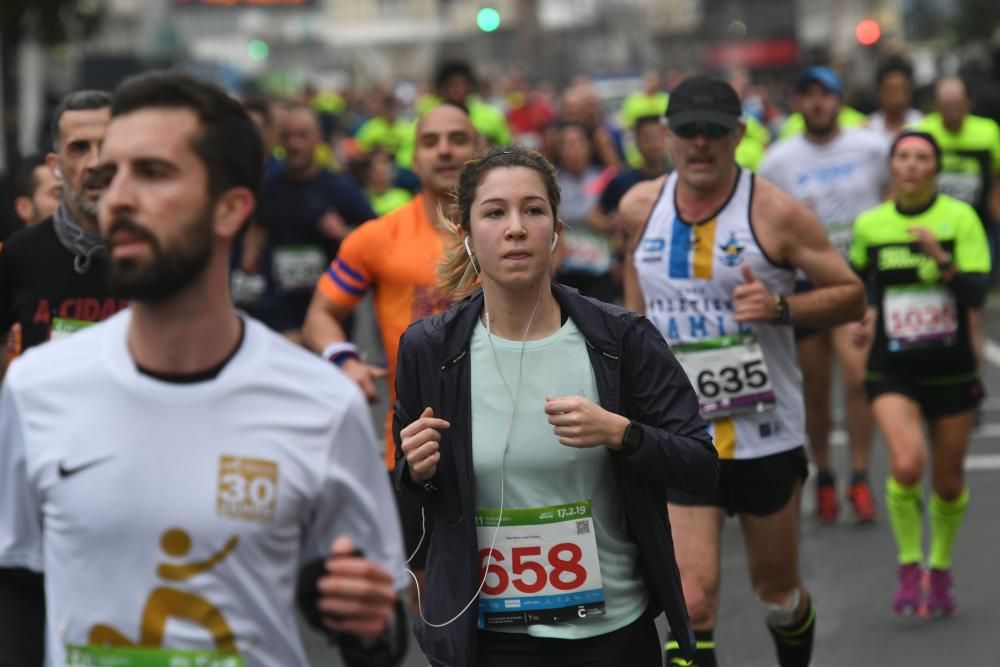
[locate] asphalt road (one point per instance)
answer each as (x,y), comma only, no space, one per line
(851,572)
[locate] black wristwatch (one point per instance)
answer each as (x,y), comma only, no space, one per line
(632,440)
(782,313)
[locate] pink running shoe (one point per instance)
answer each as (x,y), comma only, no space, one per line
(940,602)
(908,596)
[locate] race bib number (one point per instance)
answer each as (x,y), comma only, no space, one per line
(964,187)
(919,317)
(840,234)
(730,375)
(298,267)
(62,328)
(543,566)
(101,656)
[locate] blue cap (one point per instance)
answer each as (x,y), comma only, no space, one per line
(824,76)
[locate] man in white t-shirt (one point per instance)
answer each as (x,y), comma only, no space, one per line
(176,470)
(895,95)
(838,172)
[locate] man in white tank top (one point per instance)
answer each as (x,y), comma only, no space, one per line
(839,173)
(712,262)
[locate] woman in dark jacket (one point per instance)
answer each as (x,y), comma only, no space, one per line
(539,430)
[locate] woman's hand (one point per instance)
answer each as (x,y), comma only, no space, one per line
(579,422)
(929,244)
(420,445)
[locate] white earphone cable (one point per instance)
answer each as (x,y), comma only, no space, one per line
(503,460)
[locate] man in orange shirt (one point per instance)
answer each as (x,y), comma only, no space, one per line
(397,255)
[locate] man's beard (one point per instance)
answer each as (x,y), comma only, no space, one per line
(83,205)
(822,130)
(169,271)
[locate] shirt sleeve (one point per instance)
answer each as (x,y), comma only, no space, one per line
(351,204)
(858,253)
(768,169)
(972,250)
(355,498)
(20,515)
(349,276)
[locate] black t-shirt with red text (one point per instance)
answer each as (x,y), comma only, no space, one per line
(42,292)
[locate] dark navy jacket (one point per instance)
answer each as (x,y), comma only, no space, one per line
(637,376)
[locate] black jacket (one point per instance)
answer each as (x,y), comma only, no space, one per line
(637,376)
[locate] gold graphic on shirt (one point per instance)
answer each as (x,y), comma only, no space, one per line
(248,488)
(166,603)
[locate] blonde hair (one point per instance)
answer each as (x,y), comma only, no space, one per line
(457,272)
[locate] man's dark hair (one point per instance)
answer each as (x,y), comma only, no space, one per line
(80,100)
(227,142)
(642,121)
(894,65)
(449,69)
(259,105)
(25,182)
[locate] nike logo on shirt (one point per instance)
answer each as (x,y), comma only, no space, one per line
(66,470)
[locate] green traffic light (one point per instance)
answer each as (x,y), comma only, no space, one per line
(257,50)
(488,19)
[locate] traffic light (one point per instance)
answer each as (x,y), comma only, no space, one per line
(488,19)
(868,32)
(257,50)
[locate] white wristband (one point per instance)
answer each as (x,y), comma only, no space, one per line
(340,351)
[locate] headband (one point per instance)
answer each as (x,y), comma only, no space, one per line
(908,136)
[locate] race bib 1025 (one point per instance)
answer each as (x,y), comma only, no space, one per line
(730,375)
(919,316)
(298,267)
(543,566)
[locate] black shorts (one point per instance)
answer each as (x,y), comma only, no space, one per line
(935,400)
(411,520)
(752,486)
(635,645)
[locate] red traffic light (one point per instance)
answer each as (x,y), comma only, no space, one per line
(868,32)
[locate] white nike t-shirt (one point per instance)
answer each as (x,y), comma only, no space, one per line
(876,123)
(838,180)
(178,515)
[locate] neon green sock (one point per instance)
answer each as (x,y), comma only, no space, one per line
(905,515)
(946,519)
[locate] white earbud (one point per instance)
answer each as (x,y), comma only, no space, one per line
(555,239)
(58,173)
(468,248)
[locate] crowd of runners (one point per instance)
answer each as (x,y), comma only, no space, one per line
(600,334)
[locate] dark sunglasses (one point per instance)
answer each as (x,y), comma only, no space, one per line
(710,130)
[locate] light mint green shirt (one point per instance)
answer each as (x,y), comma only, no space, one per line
(539,471)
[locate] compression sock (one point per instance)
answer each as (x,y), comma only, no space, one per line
(905,515)
(946,519)
(704,654)
(794,643)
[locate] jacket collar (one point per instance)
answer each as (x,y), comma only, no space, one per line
(597,321)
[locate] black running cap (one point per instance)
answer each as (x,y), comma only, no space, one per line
(702,99)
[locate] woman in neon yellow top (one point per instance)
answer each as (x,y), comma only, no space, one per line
(926,260)
(374,172)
